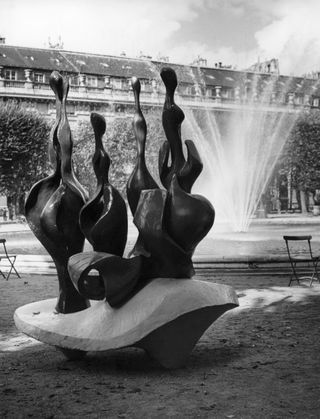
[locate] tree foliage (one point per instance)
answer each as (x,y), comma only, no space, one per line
(302,152)
(120,144)
(23,149)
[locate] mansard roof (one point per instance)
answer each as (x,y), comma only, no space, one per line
(106,65)
(34,58)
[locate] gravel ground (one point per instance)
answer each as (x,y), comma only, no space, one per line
(260,360)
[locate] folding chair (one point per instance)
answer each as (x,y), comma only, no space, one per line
(10,258)
(298,254)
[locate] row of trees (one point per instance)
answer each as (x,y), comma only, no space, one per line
(24,139)
(120,144)
(301,155)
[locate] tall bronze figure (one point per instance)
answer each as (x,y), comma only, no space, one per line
(53,204)
(103,219)
(140,179)
(172,117)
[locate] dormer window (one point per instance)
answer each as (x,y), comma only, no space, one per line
(74,80)
(143,85)
(92,81)
(11,75)
(39,78)
(117,83)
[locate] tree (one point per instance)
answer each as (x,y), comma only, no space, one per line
(120,144)
(302,154)
(23,152)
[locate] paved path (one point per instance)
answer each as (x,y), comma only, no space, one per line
(260,360)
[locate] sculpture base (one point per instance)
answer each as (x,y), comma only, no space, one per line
(166,318)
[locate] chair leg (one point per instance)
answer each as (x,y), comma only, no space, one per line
(1,273)
(12,267)
(294,276)
(315,273)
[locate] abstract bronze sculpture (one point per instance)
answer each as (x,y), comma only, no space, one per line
(147,300)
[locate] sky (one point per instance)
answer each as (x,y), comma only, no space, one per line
(234,32)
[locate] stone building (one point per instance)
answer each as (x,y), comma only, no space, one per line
(102,83)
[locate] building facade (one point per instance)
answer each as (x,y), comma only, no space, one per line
(101,82)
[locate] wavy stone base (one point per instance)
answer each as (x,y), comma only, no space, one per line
(166,318)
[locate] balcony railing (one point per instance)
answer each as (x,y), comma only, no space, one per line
(14,83)
(22,88)
(37,85)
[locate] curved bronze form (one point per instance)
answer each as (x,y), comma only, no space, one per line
(103,219)
(191,169)
(53,204)
(117,279)
(167,258)
(188,217)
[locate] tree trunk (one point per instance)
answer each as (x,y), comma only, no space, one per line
(20,204)
(304,209)
(11,203)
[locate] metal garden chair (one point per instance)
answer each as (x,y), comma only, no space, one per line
(10,258)
(298,254)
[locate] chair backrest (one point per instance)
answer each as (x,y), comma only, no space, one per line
(289,239)
(297,238)
(3,241)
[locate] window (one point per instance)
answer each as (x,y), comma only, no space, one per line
(316,102)
(39,78)
(70,109)
(11,75)
(118,83)
(188,90)
(143,85)
(92,81)
(74,80)
(209,92)
(227,93)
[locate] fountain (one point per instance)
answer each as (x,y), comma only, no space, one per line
(240,149)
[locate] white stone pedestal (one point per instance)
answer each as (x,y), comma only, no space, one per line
(166,318)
